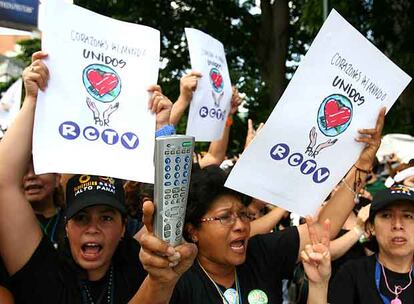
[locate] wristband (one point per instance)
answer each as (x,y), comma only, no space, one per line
(229,121)
(165,131)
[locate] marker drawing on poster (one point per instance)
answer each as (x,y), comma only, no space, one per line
(93,117)
(10,105)
(210,105)
(307,145)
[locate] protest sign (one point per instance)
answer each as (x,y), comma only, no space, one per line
(211,100)
(93,117)
(307,145)
(10,105)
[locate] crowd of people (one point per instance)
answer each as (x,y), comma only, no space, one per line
(68,239)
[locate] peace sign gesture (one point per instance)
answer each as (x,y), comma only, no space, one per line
(316,257)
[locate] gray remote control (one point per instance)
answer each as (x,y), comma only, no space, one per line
(173,160)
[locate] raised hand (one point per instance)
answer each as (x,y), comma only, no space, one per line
(163,263)
(188,84)
(36,75)
(316,257)
(372,139)
(160,105)
(251,132)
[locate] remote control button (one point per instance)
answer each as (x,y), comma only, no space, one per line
(183,200)
(182,194)
(167,196)
(187,159)
(167,175)
(167,160)
(177,174)
(167,153)
(178,238)
(167,234)
(166,202)
(176,189)
(183,188)
(176,182)
(178,232)
(175,195)
(185,174)
(167,184)
(168,168)
(177,168)
(167,227)
(178,160)
(188,150)
(172,152)
(185,181)
(178,225)
(186,167)
(178,152)
(167,190)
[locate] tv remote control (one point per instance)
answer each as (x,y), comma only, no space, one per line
(173,161)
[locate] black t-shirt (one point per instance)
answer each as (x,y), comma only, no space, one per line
(270,258)
(355,283)
(53,227)
(51,276)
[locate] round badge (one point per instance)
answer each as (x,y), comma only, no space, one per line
(334,115)
(231,296)
(257,296)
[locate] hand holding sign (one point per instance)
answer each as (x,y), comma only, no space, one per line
(36,75)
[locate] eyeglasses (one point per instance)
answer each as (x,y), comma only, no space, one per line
(230,218)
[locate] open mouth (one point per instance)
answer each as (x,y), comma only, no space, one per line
(91,251)
(238,246)
(30,189)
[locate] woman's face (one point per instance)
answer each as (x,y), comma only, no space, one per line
(394,229)
(38,188)
(94,234)
(220,243)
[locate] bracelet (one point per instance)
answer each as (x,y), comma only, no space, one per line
(362,170)
(229,121)
(356,199)
(165,131)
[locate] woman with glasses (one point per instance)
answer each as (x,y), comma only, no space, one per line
(230,266)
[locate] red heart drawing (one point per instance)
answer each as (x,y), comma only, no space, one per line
(335,115)
(102,82)
(217,79)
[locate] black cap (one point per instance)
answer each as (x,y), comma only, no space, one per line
(84,191)
(385,197)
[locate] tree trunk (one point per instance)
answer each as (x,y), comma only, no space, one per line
(273,47)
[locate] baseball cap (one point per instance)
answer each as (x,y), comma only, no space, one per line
(385,197)
(84,191)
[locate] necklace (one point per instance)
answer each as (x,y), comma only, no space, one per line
(56,217)
(231,295)
(397,288)
(109,291)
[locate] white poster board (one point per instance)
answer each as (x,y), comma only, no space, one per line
(211,100)
(10,105)
(307,145)
(93,117)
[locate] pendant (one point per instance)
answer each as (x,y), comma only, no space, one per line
(396,301)
(231,296)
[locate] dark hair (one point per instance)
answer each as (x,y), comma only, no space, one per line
(206,186)
(372,243)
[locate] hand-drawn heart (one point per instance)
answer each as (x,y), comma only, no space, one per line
(336,116)
(102,82)
(216,78)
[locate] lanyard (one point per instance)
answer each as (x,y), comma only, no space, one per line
(377,281)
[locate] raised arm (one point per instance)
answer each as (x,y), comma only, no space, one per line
(188,84)
(20,233)
(267,222)
(316,261)
(340,205)
(342,244)
(164,264)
